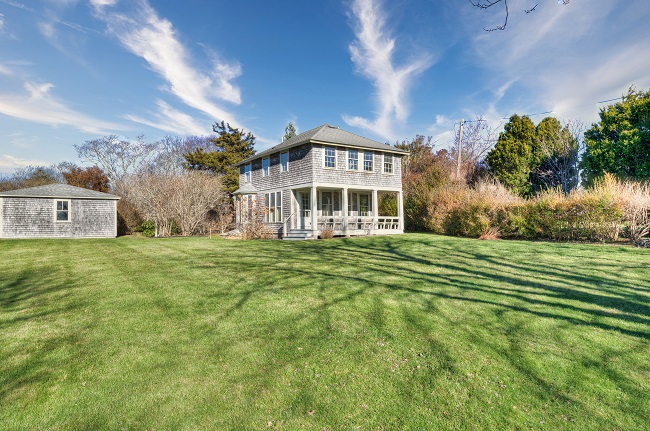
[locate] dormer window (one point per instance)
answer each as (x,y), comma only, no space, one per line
(247,173)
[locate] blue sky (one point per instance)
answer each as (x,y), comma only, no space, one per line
(73,70)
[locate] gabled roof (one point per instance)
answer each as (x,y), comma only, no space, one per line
(64,191)
(327,134)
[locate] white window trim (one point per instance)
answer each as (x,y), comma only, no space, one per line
(372,157)
(383,168)
(282,169)
(56,201)
(277,213)
(336,156)
(347,165)
(268,167)
(247,173)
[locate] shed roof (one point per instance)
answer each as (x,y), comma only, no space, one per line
(64,191)
(329,135)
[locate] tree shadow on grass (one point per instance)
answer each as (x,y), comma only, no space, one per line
(580,297)
(29,302)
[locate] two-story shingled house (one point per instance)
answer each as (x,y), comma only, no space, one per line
(323,178)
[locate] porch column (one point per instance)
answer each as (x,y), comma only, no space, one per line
(344,208)
(314,210)
(295,210)
(400,210)
(375,209)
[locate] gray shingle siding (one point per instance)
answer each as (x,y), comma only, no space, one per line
(31,217)
(341,175)
(300,170)
(306,166)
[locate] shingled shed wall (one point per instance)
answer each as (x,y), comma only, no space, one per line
(25,214)
(34,218)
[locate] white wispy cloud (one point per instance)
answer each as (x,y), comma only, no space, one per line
(372,54)
(39,105)
(4,70)
(9,163)
(99,3)
(171,120)
(567,57)
(154,39)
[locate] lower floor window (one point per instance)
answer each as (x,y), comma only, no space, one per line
(273,204)
(63,210)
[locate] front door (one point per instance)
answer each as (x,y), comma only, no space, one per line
(304,210)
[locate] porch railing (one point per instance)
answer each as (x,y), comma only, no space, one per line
(284,224)
(357,223)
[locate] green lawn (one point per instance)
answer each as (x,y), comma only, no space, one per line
(412,332)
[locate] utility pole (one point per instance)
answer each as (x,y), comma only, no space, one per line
(460,148)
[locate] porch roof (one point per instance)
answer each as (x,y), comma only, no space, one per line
(327,134)
(246,189)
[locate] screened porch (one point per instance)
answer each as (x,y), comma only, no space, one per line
(368,210)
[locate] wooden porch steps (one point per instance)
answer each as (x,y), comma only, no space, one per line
(298,234)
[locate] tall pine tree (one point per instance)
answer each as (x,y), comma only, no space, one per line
(232,146)
(289,132)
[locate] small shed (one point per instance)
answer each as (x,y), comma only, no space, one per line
(57,211)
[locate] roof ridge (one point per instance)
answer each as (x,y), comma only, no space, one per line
(325,133)
(57,188)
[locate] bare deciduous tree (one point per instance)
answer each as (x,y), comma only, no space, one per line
(193,195)
(116,157)
(182,199)
(560,153)
(169,154)
(478,139)
(150,193)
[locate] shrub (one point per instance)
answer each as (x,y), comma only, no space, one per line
(326,233)
(128,217)
(147,228)
(487,209)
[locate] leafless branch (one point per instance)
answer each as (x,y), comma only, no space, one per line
(531,9)
(486,4)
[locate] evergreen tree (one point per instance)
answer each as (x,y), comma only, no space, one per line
(555,156)
(232,146)
(289,132)
(511,160)
(620,142)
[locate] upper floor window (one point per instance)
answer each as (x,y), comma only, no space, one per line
(265,167)
(247,173)
(284,162)
(353,160)
(330,157)
(388,163)
(63,210)
(367,161)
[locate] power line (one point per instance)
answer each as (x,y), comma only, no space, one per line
(569,108)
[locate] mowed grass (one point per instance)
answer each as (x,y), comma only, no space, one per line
(411,332)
